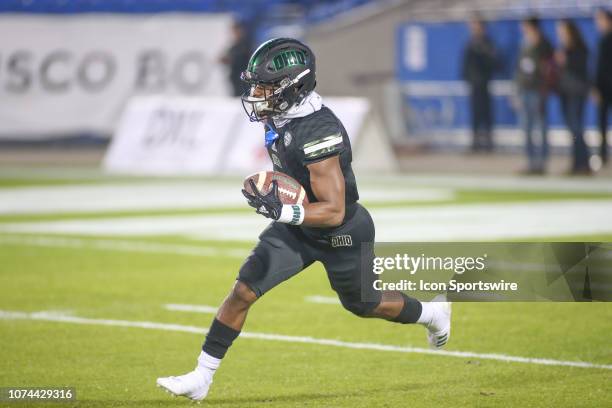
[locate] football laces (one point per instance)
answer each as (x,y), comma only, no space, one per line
(286,192)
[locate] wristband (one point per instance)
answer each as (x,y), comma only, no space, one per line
(292,214)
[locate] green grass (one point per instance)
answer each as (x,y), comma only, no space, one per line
(117,366)
(113,367)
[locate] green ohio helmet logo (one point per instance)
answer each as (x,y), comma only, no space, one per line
(280,61)
(289,58)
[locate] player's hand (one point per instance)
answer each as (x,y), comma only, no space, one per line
(268,205)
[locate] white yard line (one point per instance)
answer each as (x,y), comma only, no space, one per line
(177,307)
(494,221)
(244,227)
(122,245)
(418,223)
(494,182)
(134,196)
(328,300)
(177,195)
(53,317)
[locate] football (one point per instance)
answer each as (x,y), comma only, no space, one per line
(289,190)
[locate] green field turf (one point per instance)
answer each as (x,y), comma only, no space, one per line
(113,366)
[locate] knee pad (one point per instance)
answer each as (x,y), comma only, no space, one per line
(252,271)
(355,305)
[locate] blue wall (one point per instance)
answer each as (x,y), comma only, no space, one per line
(132,6)
(443,52)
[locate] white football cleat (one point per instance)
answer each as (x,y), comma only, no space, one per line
(438,330)
(193,385)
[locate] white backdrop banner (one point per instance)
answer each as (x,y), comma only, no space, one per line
(68,74)
(203,135)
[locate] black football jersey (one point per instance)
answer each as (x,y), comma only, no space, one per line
(310,139)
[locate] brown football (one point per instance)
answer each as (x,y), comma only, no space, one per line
(289,190)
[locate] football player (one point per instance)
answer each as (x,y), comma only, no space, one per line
(306,141)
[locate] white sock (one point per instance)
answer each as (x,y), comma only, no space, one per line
(427,313)
(208,364)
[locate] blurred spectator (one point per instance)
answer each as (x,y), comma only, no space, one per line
(535,78)
(479,61)
(237,56)
(603,76)
(573,89)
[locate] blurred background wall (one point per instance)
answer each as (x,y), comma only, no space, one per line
(70,68)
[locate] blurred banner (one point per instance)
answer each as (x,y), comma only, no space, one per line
(208,135)
(62,75)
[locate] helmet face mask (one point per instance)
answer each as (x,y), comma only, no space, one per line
(281,73)
(262,101)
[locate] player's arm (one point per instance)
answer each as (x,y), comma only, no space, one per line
(327,183)
(320,155)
